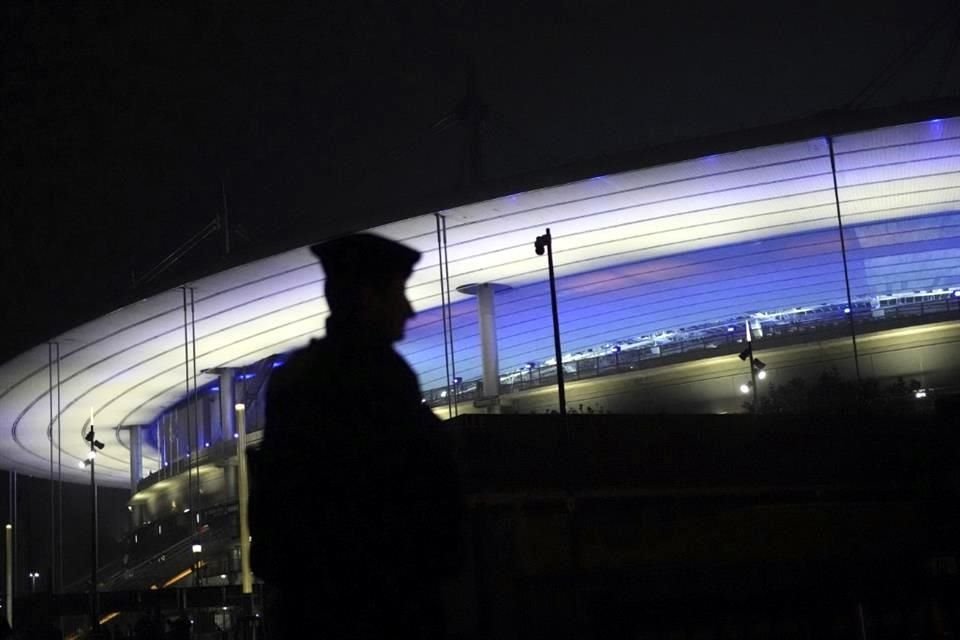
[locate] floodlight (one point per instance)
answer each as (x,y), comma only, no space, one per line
(745,353)
(759,364)
(761,375)
(541,243)
(745,388)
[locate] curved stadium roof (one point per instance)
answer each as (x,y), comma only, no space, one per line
(675,245)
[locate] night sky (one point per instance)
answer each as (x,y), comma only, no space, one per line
(124,127)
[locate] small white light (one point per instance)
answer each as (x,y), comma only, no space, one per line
(197,548)
(744,388)
(762,375)
(91,455)
(223,576)
(240,406)
(846,309)
(920,393)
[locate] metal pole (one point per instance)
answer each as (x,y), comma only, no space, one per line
(556,325)
(753,367)
(443,314)
(843,253)
(446,271)
(196,410)
(186,381)
(243,498)
(53,501)
(9,549)
(94,550)
(56,587)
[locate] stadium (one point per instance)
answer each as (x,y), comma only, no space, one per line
(831,244)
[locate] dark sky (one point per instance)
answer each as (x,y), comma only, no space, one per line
(123,124)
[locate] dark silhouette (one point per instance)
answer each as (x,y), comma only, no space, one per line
(149,627)
(355,505)
(180,627)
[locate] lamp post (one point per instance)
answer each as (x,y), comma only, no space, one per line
(545,241)
(197,550)
(757,367)
(33,575)
(95,445)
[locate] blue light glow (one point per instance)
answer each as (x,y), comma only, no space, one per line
(246,376)
(278,363)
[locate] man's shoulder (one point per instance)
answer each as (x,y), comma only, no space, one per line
(300,365)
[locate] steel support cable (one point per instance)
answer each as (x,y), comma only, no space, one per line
(945,64)
(53,502)
(443,313)
(186,381)
(59,479)
(179,252)
(915,46)
(194,403)
(446,270)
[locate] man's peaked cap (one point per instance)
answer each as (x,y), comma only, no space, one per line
(365,259)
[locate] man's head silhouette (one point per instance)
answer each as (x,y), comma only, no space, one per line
(366,278)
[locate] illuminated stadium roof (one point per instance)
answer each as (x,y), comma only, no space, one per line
(639,251)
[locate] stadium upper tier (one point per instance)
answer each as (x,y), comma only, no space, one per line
(638,254)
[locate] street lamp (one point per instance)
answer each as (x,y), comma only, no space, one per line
(545,242)
(757,367)
(197,550)
(33,580)
(95,445)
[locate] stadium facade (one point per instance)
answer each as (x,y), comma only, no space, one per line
(799,243)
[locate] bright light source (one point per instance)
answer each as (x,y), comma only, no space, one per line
(91,455)
(197,548)
(744,388)
(240,406)
(846,309)
(920,393)
(761,375)
(443,394)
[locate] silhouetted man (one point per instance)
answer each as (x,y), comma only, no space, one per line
(355,505)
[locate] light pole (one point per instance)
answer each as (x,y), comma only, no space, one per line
(95,445)
(545,241)
(33,581)
(757,367)
(197,550)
